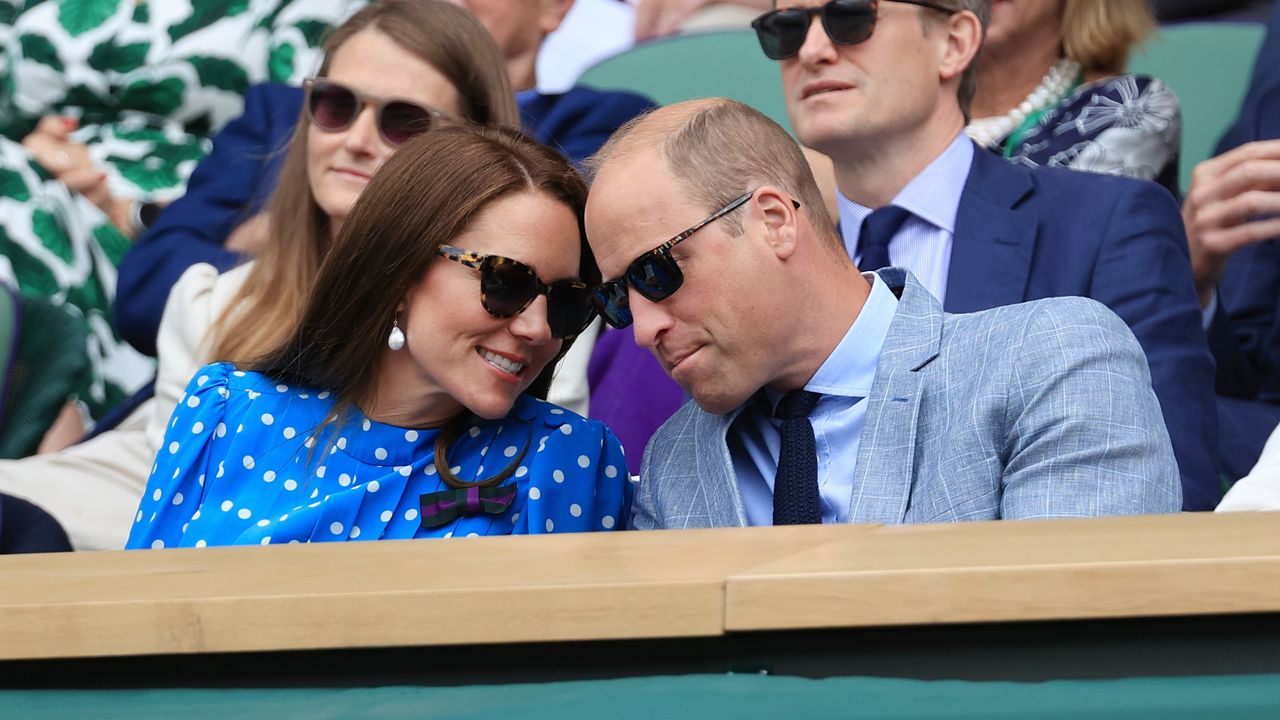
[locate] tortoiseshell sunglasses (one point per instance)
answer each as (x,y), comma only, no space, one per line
(508,286)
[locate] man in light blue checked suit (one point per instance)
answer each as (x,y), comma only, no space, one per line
(826,395)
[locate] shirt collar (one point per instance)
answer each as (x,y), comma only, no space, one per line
(932,196)
(850,369)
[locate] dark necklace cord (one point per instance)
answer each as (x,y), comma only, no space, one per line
(445,439)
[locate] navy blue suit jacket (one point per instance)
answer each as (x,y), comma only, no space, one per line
(1262,99)
(1024,234)
(1244,335)
(1245,332)
(235,181)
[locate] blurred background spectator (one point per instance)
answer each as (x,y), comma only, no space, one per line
(106,107)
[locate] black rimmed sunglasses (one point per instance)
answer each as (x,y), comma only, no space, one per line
(654,274)
(334,107)
(848,22)
(509,286)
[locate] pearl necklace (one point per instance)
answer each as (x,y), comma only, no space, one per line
(989,131)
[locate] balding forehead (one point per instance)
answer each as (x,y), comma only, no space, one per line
(636,173)
(635,204)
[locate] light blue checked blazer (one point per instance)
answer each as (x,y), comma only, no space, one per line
(1043,409)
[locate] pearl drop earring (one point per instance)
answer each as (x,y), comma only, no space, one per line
(395,340)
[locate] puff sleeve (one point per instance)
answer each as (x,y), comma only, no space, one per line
(578,478)
(190,452)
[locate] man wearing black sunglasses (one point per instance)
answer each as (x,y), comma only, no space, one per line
(823,394)
(882,87)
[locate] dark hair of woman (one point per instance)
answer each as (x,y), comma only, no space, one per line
(422,197)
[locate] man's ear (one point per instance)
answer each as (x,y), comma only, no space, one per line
(553,12)
(963,41)
(778,218)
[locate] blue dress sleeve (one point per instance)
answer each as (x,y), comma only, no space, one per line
(188,454)
(579,478)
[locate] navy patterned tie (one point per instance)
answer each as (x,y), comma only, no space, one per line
(795,488)
(878,229)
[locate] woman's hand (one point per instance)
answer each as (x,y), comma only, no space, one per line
(51,145)
(70,162)
(1233,202)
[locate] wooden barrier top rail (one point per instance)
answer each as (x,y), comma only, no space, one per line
(632,585)
(1152,566)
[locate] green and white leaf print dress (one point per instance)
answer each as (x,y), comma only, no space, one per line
(150,81)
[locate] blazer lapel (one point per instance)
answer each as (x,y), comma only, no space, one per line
(885,468)
(718,481)
(994,243)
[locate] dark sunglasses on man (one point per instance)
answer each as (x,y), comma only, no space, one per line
(333,107)
(509,286)
(654,274)
(848,22)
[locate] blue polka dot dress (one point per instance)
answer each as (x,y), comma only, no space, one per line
(241,464)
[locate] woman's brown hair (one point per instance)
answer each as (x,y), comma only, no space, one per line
(269,303)
(426,194)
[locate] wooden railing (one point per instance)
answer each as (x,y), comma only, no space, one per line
(673,584)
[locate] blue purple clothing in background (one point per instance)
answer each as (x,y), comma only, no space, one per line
(630,392)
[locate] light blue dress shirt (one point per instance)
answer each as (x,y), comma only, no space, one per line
(923,243)
(844,380)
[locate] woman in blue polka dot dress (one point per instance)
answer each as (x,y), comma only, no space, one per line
(405,402)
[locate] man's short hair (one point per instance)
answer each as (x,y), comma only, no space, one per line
(718,149)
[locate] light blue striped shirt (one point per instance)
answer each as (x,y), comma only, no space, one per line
(923,244)
(844,380)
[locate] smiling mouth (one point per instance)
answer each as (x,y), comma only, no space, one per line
(504,364)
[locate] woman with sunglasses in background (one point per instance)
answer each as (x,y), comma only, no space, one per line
(400,403)
(392,70)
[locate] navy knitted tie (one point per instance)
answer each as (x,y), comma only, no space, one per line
(878,229)
(795,488)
